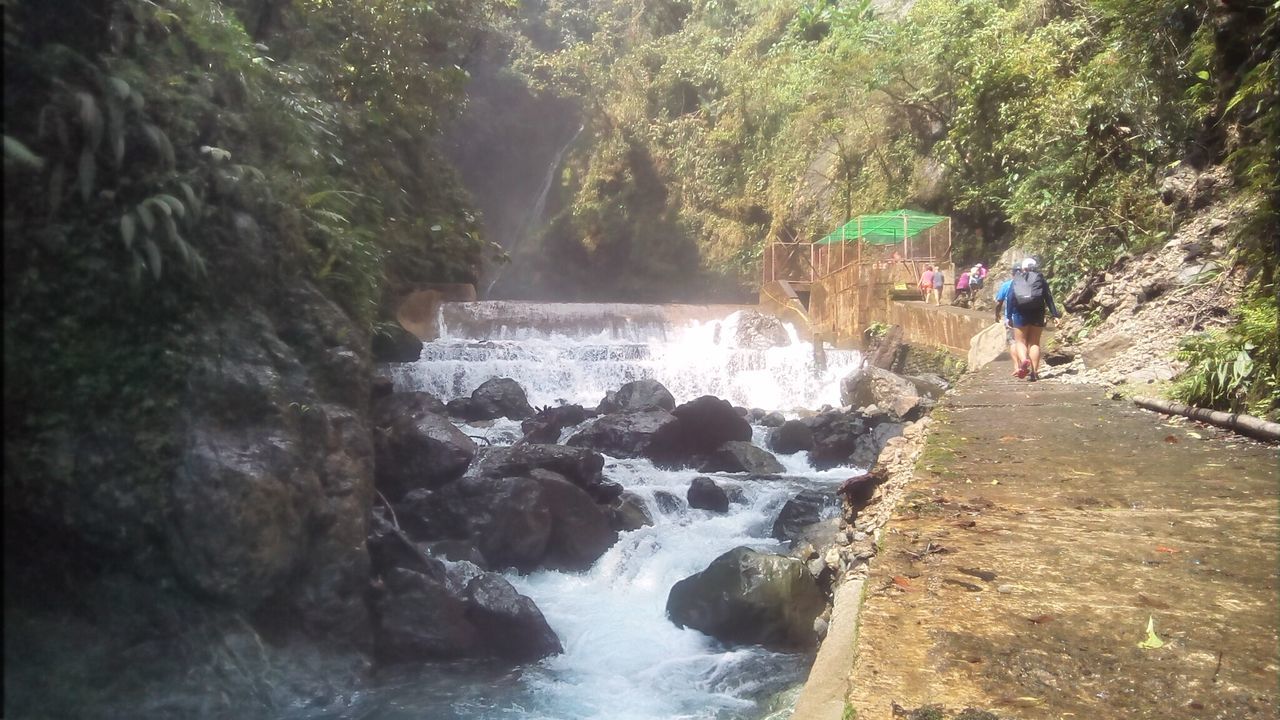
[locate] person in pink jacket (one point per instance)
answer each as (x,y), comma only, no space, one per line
(926,282)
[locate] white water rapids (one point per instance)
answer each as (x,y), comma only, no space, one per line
(623,659)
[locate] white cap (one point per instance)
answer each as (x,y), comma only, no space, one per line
(1028,263)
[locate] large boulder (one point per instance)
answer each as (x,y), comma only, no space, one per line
(835,437)
(792,436)
(581,466)
(740,456)
(875,386)
(629,512)
(624,436)
(704,494)
(419,450)
(748,597)
(396,405)
(638,396)
(987,346)
(759,331)
(704,424)
(418,619)
(800,512)
(856,492)
(542,520)
(868,446)
(394,344)
(547,424)
(499,397)
(509,624)
(239,510)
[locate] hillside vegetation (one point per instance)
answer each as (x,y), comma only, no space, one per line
(714,127)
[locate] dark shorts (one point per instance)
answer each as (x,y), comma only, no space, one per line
(1024,318)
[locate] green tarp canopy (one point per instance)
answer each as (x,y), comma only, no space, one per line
(883,228)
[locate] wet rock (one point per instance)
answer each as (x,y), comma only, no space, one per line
(419,620)
(629,512)
(394,344)
(759,331)
(509,624)
(800,512)
(239,504)
(542,520)
(605,492)
(455,551)
(638,396)
(868,446)
(704,424)
(740,456)
(412,405)
(459,408)
(704,494)
(424,515)
(872,385)
(624,436)
(835,437)
(931,385)
(419,450)
(388,550)
(457,575)
(379,387)
(856,492)
(547,424)
(668,503)
(581,466)
(499,397)
(773,419)
(792,436)
(756,415)
(748,597)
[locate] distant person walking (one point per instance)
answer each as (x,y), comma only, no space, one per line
(926,282)
(962,289)
(1004,316)
(1029,297)
(981,271)
(936,290)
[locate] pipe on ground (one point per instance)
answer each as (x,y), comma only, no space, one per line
(1243,424)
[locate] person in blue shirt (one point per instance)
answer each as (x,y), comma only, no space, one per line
(1003,312)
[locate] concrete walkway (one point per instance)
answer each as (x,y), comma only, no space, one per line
(1045,527)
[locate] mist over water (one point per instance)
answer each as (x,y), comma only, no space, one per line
(623,659)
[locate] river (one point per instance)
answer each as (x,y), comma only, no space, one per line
(623,658)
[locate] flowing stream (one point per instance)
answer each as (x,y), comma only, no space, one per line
(623,658)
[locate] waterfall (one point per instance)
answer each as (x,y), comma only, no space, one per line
(531,223)
(623,659)
(566,352)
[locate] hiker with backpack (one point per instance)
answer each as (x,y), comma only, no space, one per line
(1004,316)
(1027,300)
(936,291)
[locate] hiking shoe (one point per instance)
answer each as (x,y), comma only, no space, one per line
(1024,369)
(1033,377)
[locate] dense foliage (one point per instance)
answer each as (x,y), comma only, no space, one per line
(1049,124)
(171,162)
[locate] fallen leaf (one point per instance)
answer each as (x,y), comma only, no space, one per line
(1153,641)
(995,482)
(1040,619)
(902,582)
(1195,435)
(980,574)
(1152,602)
(1008,438)
(1170,439)
(1163,549)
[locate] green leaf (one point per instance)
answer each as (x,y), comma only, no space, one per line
(1243,365)
(1203,74)
(153,257)
(16,152)
(1153,641)
(88,170)
(120,87)
(144,214)
(192,200)
(128,226)
(90,120)
(174,203)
